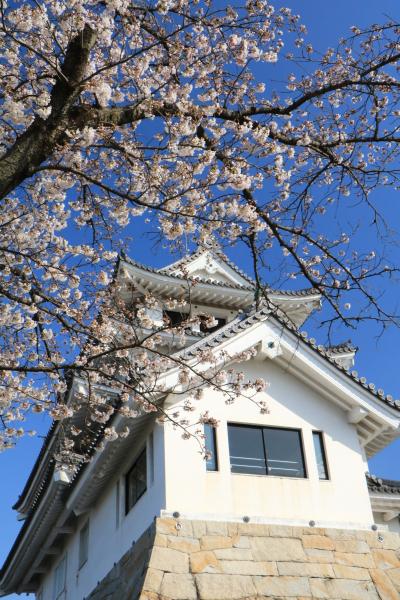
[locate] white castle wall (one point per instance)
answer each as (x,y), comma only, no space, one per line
(107,542)
(182,483)
(344,499)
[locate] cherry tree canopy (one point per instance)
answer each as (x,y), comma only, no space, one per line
(117,110)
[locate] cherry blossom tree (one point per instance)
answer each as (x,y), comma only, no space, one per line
(165,111)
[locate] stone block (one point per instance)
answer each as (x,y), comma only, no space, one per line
(185,528)
(184,544)
(385,559)
(167,526)
(211,542)
(386,540)
(348,572)
(169,560)
(284,531)
(282,586)
(319,542)
(319,556)
(234,554)
(233,528)
(310,531)
(161,540)
(144,596)
(224,587)
(217,528)
(284,549)
(240,541)
(343,589)
(153,579)
(253,529)
(394,576)
(199,528)
(248,567)
(384,585)
(345,534)
(299,569)
(352,546)
(354,560)
(204,562)
(178,587)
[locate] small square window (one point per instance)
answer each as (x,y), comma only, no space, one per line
(210,443)
(84,544)
(320,455)
(136,482)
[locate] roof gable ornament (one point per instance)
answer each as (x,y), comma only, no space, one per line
(343,354)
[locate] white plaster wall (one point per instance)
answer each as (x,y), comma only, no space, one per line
(342,500)
(107,542)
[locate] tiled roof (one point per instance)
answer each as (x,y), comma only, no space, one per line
(35,467)
(385,486)
(251,287)
(342,348)
(195,279)
(252,316)
(294,293)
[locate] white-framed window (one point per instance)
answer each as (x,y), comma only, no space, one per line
(83,544)
(60,575)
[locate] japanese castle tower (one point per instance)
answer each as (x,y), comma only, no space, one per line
(283,509)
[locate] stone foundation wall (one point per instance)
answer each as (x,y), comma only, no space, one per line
(207,560)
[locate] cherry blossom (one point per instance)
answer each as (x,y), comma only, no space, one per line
(117,111)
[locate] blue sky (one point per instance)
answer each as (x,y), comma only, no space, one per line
(377,358)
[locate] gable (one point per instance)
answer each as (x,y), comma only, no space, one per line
(208,265)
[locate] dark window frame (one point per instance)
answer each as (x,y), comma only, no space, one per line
(128,506)
(321,437)
(215,453)
(275,427)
